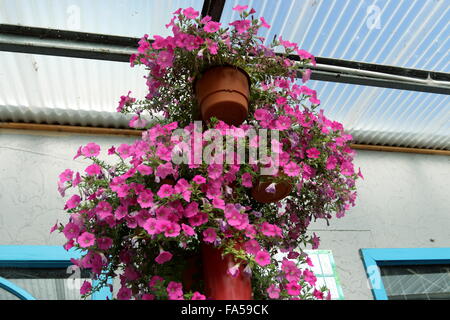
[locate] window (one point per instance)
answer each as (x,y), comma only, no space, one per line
(324,269)
(408,274)
(41,272)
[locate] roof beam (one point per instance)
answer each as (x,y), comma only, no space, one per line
(116,48)
(64,43)
(213,8)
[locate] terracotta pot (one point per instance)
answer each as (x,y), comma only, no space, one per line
(219,285)
(223,92)
(282,190)
(193,272)
(168,180)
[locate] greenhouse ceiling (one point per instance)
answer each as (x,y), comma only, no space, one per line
(376,107)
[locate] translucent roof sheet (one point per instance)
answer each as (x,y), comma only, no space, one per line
(114,17)
(405,33)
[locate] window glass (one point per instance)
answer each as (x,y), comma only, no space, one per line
(417,282)
(45,284)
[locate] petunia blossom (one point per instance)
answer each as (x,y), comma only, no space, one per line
(212,26)
(163,257)
(86,240)
(93,169)
(262,258)
(209,235)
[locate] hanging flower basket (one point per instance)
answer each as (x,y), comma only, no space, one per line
(143,215)
(223,92)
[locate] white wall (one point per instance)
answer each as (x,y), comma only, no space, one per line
(403,201)
(30,163)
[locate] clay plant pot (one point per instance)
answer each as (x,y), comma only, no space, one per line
(282,190)
(168,180)
(193,272)
(219,285)
(223,92)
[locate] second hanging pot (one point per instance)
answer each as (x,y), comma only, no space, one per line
(261,191)
(223,92)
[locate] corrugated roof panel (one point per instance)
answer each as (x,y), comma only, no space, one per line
(115,17)
(407,33)
(66,83)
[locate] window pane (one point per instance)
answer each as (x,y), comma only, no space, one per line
(425,282)
(46,284)
(5,295)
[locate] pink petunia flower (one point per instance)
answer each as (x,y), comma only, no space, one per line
(215,171)
(293,288)
(199,179)
(212,26)
(165,59)
(292,169)
(209,235)
(212,46)
(240,8)
(241,26)
(262,258)
(144,170)
(71,230)
(124,150)
(306,75)
(104,243)
(191,210)
(86,240)
(252,247)
(93,169)
(163,257)
(165,191)
(86,287)
(331,163)
(264,23)
(124,293)
(172,230)
(218,203)
(77,180)
(198,296)
(315,241)
(137,122)
(312,153)
(188,230)
(273,291)
(66,176)
(247,180)
(91,150)
(54,227)
(145,199)
(318,294)
(234,270)
(175,290)
(73,202)
(190,13)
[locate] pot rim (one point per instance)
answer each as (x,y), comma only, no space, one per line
(194,83)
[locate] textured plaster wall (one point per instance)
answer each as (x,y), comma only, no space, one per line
(30,163)
(403,201)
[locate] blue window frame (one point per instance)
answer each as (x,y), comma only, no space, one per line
(47,257)
(375,258)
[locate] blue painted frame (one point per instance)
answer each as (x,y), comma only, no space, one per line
(39,257)
(374,258)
